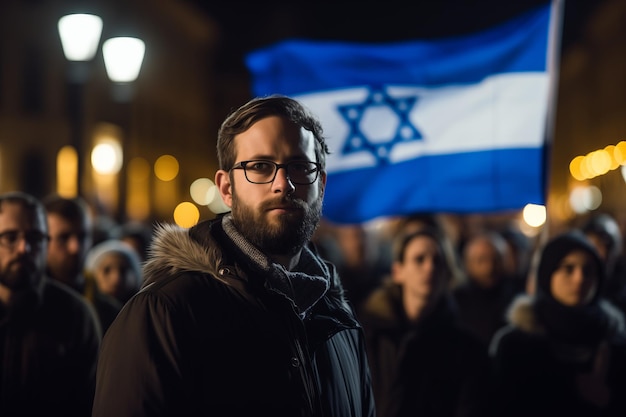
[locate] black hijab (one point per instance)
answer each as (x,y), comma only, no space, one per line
(584,325)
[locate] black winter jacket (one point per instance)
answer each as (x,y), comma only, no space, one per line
(208,335)
(49,350)
(536,374)
(426,369)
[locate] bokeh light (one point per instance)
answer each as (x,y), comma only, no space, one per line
(598,162)
(186,214)
(610,150)
(138,189)
(199,191)
(585,198)
(534,215)
(107,157)
(620,152)
(67,172)
(575,168)
(166,168)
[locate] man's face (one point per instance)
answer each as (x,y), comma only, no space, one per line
(22,247)
(278,217)
(482,262)
(69,242)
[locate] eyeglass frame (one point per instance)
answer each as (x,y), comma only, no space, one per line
(34,238)
(242,165)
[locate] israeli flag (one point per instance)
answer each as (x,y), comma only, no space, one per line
(452,125)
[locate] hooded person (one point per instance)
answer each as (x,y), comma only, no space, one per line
(604,233)
(563,351)
(116,268)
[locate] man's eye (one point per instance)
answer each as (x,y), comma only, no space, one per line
(9,237)
(300,167)
(260,166)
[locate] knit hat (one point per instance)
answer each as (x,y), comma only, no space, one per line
(554,252)
(97,253)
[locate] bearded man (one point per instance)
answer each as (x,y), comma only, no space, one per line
(238,315)
(49,335)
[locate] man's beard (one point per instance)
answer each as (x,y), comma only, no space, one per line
(66,270)
(24,279)
(20,275)
(285,236)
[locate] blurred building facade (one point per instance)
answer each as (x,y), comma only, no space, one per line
(591,111)
(170,111)
(181,97)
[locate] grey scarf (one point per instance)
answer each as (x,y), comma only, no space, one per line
(304,286)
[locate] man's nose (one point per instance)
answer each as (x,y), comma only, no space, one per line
(282,182)
(74,244)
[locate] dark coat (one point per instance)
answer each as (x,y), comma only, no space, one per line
(538,375)
(483,310)
(207,336)
(107,307)
(49,352)
(433,368)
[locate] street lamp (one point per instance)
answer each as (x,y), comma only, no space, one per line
(80,36)
(123,57)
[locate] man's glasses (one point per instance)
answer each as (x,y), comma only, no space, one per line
(11,238)
(264,172)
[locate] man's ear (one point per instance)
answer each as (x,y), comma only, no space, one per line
(222,181)
(323,177)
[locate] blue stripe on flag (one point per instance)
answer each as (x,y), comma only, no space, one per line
(296,67)
(447,182)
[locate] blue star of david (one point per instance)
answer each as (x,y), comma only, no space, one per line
(357,140)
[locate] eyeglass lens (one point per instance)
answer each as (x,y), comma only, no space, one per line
(12,237)
(299,172)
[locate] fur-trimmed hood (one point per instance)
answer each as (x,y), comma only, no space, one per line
(176,250)
(522,315)
(173,251)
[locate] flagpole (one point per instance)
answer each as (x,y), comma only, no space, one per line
(553,61)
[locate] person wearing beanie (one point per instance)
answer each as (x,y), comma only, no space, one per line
(116,268)
(563,351)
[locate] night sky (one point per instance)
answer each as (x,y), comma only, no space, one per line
(247,26)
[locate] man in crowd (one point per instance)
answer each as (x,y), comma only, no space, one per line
(239,316)
(70,230)
(49,336)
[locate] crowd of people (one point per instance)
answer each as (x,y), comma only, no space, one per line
(59,293)
(498,323)
(268,310)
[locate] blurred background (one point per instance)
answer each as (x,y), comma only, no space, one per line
(143,148)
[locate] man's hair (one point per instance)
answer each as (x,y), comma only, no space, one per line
(28,202)
(258,108)
(72,209)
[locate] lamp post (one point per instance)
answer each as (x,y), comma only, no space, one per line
(123,57)
(80,36)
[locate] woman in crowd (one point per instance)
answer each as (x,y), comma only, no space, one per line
(116,268)
(563,351)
